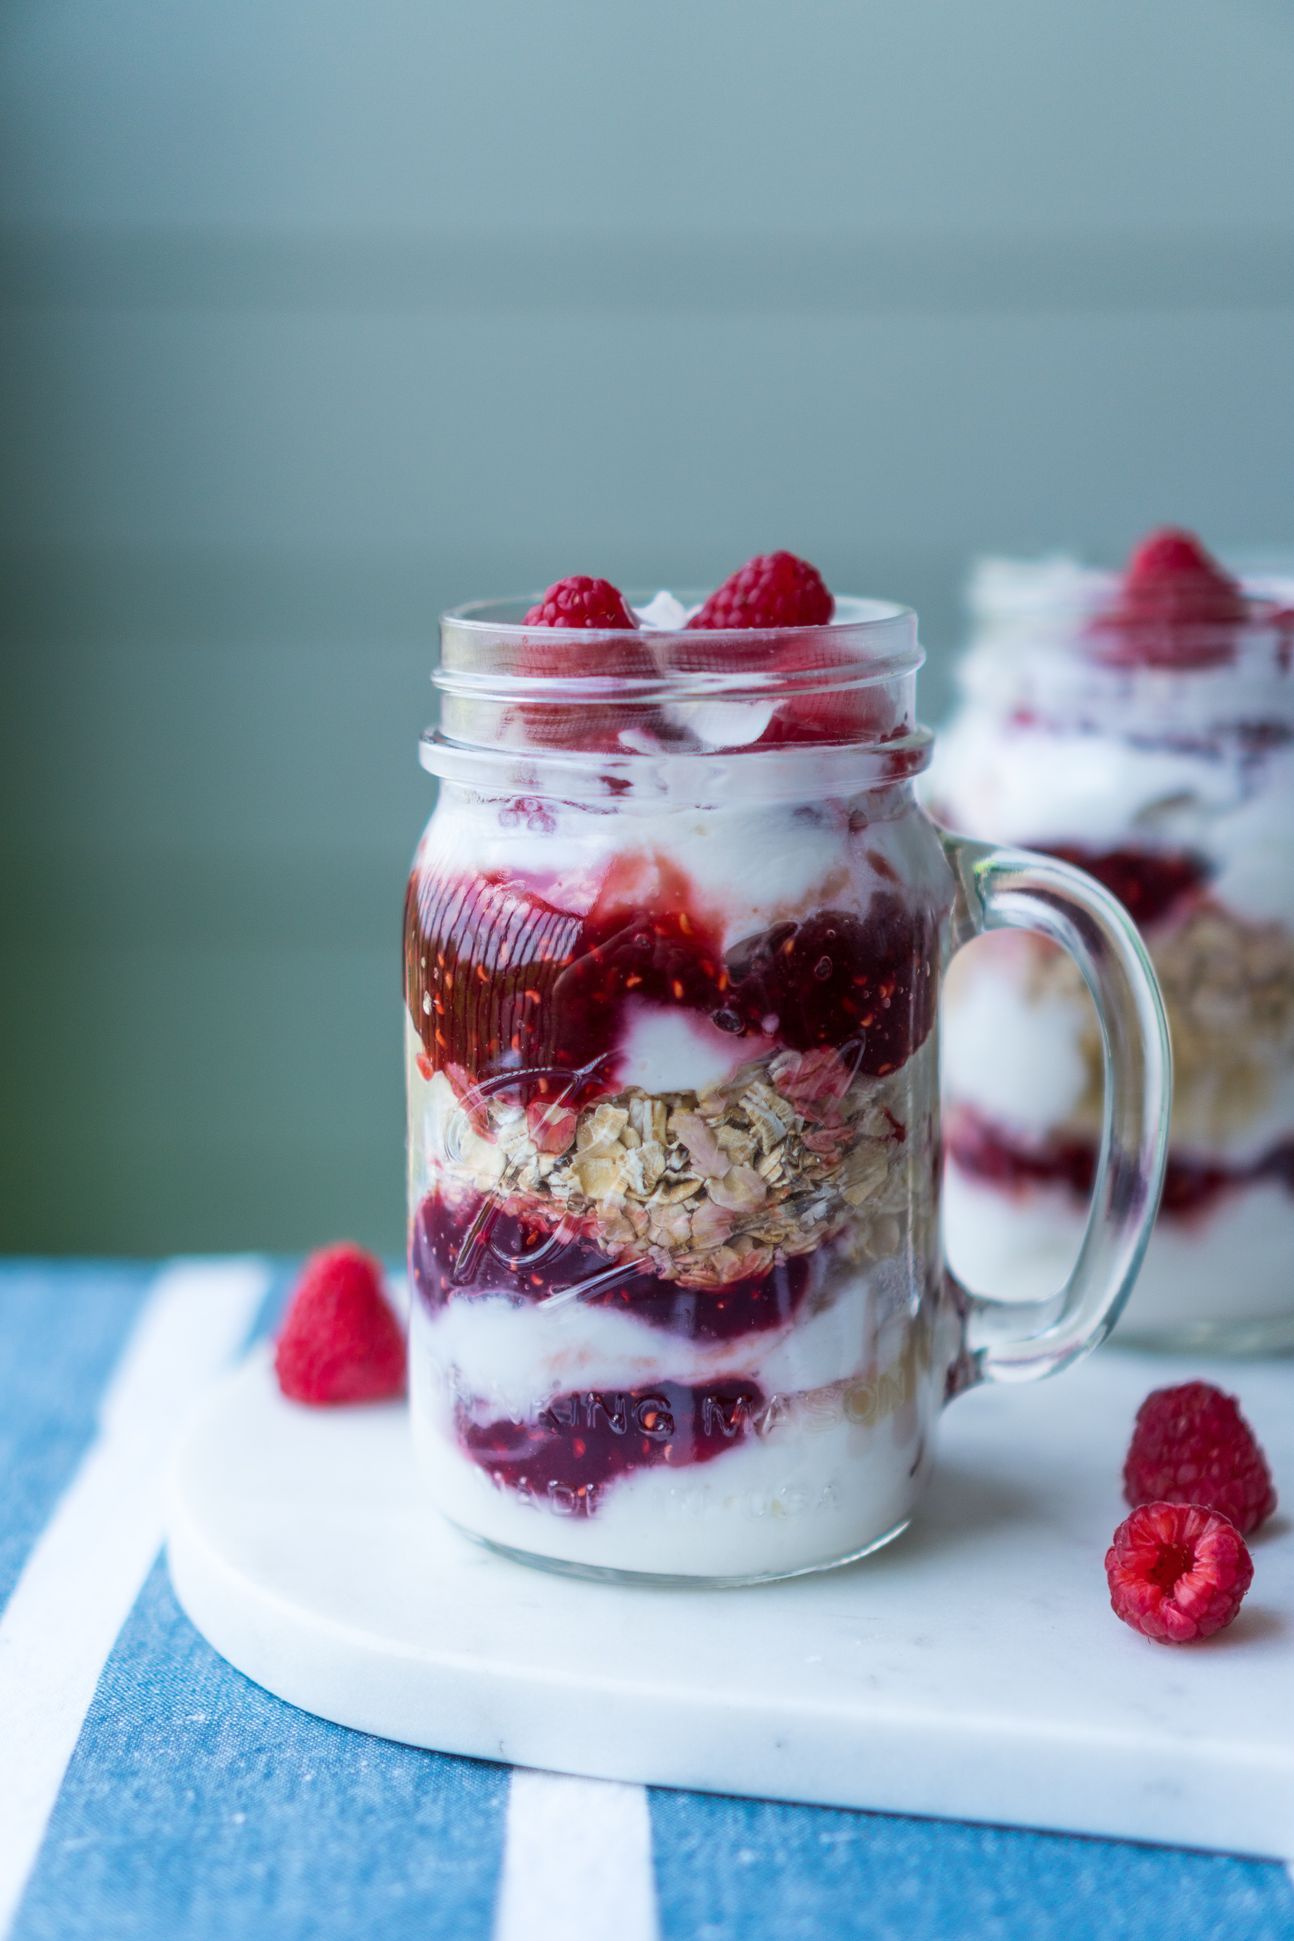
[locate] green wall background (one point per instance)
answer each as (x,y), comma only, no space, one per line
(314,319)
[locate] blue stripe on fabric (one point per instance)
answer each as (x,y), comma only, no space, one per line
(729,1868)
(197,1806)
(62,1327)
(277,1295)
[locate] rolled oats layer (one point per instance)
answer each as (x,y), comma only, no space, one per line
(1229,992)
(708,1186)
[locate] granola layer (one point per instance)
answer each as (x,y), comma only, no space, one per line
(707,1187)
(1229,992)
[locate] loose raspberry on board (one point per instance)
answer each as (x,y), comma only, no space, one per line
(1191,1444)
(1177,1572)
(340,1341)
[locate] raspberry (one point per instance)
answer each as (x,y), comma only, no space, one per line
(1191,1444)
(1177,1572)
(339,1341)
(1176,607)
(1171,572)
(579,601)
(771,590)
(842,714)
(583,603)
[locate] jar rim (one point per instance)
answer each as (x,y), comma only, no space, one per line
(505,617)
(1068,607)
(630,783)
(488,652)
(680,698)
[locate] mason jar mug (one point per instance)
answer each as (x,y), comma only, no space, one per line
(674,940)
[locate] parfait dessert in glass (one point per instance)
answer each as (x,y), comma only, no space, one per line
(673,943)
(1141,725)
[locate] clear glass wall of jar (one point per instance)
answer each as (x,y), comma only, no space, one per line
(674,940)
(1142,726)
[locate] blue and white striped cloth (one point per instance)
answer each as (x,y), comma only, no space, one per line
(148,1790)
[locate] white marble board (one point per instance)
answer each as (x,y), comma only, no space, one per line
(972,1670)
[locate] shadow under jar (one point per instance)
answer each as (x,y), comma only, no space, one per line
(673,946)
(1150,738)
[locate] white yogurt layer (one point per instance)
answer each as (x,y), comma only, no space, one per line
(656,1039)
(1019,1063)
(523,1353)
(751,863)
(1040,782)
(823,1484)
(1035,784)
(664,614)
(1051,748)
(1254,847)
(754,865)
(716,724)
(1228,1266)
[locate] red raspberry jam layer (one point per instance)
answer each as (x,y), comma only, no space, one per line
(499,976)
(1149,883)
(1191,1186)
(457,1252)
(575,1448)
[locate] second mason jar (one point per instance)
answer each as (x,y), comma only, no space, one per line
(1142,725)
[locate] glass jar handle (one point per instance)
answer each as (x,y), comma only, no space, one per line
(1012,889)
